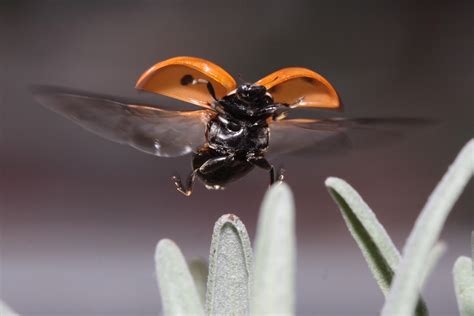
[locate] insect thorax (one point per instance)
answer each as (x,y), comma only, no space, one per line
(239,126)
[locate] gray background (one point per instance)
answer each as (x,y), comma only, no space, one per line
(80,216)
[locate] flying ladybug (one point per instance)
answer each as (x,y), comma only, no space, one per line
(237,127)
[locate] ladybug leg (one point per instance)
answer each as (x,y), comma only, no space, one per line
(261,162)
(214,163)
(276,111)
(280,174)
(188,188)
(298,102)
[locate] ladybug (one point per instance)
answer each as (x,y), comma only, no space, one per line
(235,130)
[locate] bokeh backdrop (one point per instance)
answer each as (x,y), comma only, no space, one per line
(80,216)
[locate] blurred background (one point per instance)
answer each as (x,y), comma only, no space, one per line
(80,216)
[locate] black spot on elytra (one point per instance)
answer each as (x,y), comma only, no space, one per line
(309,80)
(187,79)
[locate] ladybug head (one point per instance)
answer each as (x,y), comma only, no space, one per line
(250,92)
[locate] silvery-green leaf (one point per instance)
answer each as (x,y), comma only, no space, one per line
(178,292)
(198,269)
(5,310)
(433,257)
(376,245)
(273,291)
(401,299)
(228,285)
(464,285)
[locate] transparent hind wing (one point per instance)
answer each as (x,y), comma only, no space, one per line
(337,135)
(149,129)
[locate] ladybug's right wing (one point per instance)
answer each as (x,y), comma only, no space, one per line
(289,136)
(149,129)
(301,87)
(317,137)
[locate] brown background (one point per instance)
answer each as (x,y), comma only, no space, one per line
(80,216)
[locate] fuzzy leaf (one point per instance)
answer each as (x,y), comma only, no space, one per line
(377,248)
(405,287)
(273,291)
(199,272)
(178,292)
(435,254)
(228,286)
(464,285)
(5,310)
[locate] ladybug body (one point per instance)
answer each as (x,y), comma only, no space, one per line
(237,138)
(236,128)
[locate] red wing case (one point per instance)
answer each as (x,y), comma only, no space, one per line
(301,87)
(173,78)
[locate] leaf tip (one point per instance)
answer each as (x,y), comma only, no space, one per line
(279,192)
(460,262)
(280,188)
(162,247)
(337,184)
(331,181)
(339,187)
(232,218)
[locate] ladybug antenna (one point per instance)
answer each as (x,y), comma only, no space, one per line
(240,79)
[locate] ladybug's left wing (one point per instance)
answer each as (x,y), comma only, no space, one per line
(146,128)
(336,135)
(190,79)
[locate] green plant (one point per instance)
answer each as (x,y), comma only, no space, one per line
(240,283)
(463,271)
(5,310)
(235,286)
